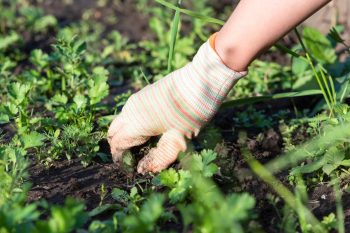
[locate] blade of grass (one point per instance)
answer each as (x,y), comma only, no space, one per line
(144,76)
(345,89)
(322,142)
(250,100)
(301,188)
(173,35)
(310,61)
(284,49)
(319,82)
(339,206)
(265,175)
(333,89)
(326,84)
(300,40)
(330,80)
(192,13)
(301,215)
(301,197)
(333,33)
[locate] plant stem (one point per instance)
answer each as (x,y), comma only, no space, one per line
(300,40)
(281,190)
(173,35)
(339,206)
(319,82)
(326,84)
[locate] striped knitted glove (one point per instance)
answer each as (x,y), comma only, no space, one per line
(175,107)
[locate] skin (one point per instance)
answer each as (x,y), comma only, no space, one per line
(255,25)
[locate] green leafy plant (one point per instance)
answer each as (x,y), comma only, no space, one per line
(16,106)
(74,140)
(203,195)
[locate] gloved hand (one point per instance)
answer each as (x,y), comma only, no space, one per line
(176,106)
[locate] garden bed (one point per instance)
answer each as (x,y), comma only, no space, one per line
(58,133)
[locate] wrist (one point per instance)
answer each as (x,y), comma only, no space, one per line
(208,61)
(231,54)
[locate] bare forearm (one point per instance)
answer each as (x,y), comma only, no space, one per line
(255,25)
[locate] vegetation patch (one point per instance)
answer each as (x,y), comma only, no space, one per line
(276,158)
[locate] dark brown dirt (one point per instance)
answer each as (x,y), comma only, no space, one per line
(115,15)
(322,201)
(265,145)
(70,178)
(236,176)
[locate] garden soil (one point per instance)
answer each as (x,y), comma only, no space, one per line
(69,178)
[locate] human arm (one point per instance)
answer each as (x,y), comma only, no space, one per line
(255,25)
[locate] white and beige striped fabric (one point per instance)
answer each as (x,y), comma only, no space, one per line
(175,107)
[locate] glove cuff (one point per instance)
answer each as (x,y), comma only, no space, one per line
(208,53)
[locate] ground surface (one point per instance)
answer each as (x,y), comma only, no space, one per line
(69,178)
